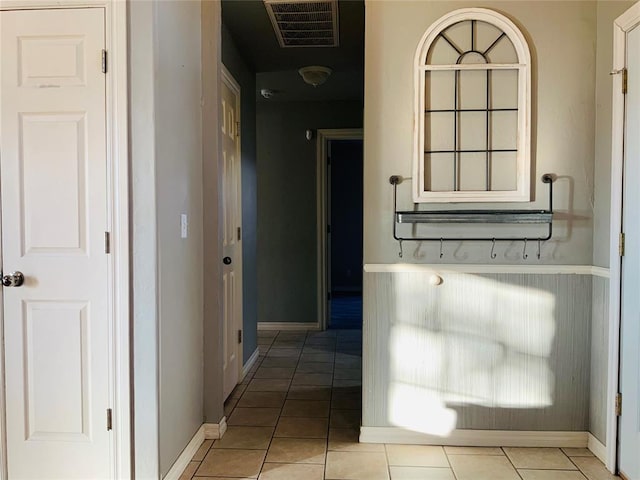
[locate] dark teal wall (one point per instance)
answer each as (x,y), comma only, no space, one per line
(287,176)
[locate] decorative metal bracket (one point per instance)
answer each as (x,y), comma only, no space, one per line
(474,216)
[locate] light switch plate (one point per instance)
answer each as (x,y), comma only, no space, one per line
(184,225)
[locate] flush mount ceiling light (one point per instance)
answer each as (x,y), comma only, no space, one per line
(315,75)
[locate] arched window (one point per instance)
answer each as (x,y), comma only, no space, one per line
(473,110)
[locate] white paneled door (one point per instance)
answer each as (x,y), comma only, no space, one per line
(630,312)
(54,218)
(232,232)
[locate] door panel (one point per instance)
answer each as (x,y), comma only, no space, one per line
(65,416)
(630,315)
(42,134)
(232,239)
(54,218)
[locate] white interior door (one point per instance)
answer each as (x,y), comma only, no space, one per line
(630,318)
(54,218)
(232,232)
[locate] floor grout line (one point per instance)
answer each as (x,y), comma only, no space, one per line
(449,463)
(511,462)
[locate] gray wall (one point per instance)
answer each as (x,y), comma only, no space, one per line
(287,176)
(502,351)
(246,78)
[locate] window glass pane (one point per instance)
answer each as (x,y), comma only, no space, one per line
(503,171)
(472,89)
(439,90)
(472,131)
(504,89)
(438,172)
(473,167)
(439,131)
(503,130)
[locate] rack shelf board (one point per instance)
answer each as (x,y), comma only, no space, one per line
(476,216)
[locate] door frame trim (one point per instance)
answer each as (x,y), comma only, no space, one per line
(117,105)
(228,79)
(322,151)
(624,23)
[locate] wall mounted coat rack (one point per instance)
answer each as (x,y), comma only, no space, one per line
(543,217)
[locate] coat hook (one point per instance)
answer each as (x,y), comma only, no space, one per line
(524,250)
(539,242)
(400,252)
(441,254)
(493,246)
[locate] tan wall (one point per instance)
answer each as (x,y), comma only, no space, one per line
(167,173)
(562,38)
(179,190)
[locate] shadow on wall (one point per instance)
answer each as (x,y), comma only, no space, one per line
(473,345)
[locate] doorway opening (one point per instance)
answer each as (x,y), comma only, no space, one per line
(340,228)
(344,233)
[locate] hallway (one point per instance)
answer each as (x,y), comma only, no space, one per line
(296,416)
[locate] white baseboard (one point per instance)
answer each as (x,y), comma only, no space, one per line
(186,455)
(250,363)
(475,438)
(214,431)
(597,448)
(288,326)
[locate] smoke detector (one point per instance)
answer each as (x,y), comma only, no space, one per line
(304,23)
(315,75)
(267,93)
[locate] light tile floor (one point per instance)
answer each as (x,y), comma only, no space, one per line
(296,416)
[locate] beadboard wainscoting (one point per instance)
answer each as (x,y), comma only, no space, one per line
(478,347)
(599,361)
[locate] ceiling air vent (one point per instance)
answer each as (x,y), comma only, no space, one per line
(304,23)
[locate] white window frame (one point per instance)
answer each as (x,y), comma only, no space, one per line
(523,156)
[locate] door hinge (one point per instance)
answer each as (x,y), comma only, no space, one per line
(625,78)
(618,404)
(239,336)
(104,61)
(621,244)
(109,419)
(239,233)
(107,242)
(328,228)
(237,129)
